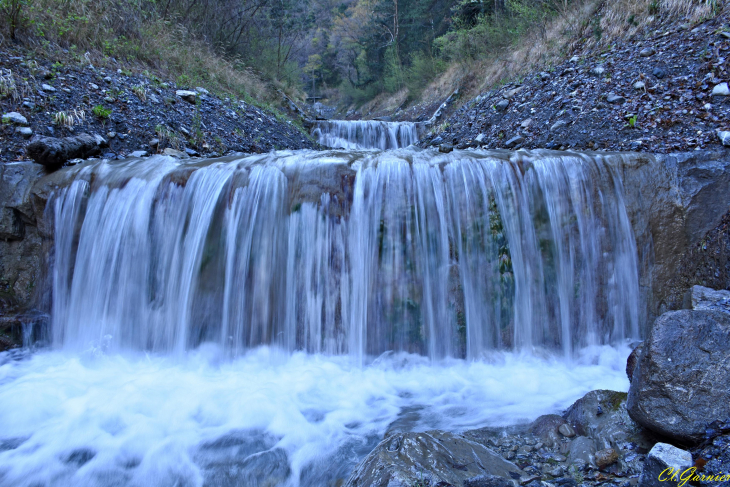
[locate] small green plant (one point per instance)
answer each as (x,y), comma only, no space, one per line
(654,7)
(632,121)
(101,112)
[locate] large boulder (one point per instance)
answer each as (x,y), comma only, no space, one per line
(680,384)
(431,458)
(53,153)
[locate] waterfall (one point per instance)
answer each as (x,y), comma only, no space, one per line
(365,134)
(443,255)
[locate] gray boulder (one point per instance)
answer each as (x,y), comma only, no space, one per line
(680,384)
(404,459)
(53,153)
(662,457)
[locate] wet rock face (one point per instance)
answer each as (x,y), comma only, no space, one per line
(432,458)
(22,247)
(673,201)
(680,383)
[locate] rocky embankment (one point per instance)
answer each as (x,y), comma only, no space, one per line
(130,114)
(663,91)
(677,415)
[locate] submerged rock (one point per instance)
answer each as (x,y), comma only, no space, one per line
(681,382)
(432,458)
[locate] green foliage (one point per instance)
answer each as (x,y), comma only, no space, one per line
(423,69)
(101,112)
(15,14)
(494,29)
(393,78)
(632,121)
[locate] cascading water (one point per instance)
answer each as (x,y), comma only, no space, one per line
(445,256)
(259,320)
(365,134)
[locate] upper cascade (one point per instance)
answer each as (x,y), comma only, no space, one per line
(365,134)
(359,253)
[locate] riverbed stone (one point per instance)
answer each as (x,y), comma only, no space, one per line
(724,137)
(502,105)
(514,142)
(14,118)
(547,427)
(403,459)
(680,382)
(606,457)
(721,90)
(582,449)
(615,99)
(566,430)
(664,456)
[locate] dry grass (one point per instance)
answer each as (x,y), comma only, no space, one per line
(549,45)
(108,33)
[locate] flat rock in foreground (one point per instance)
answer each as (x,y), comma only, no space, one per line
(431,458)
(680,384)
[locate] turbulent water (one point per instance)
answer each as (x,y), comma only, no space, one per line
(365,134)
(257,320)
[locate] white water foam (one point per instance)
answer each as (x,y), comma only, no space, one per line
(143,420)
